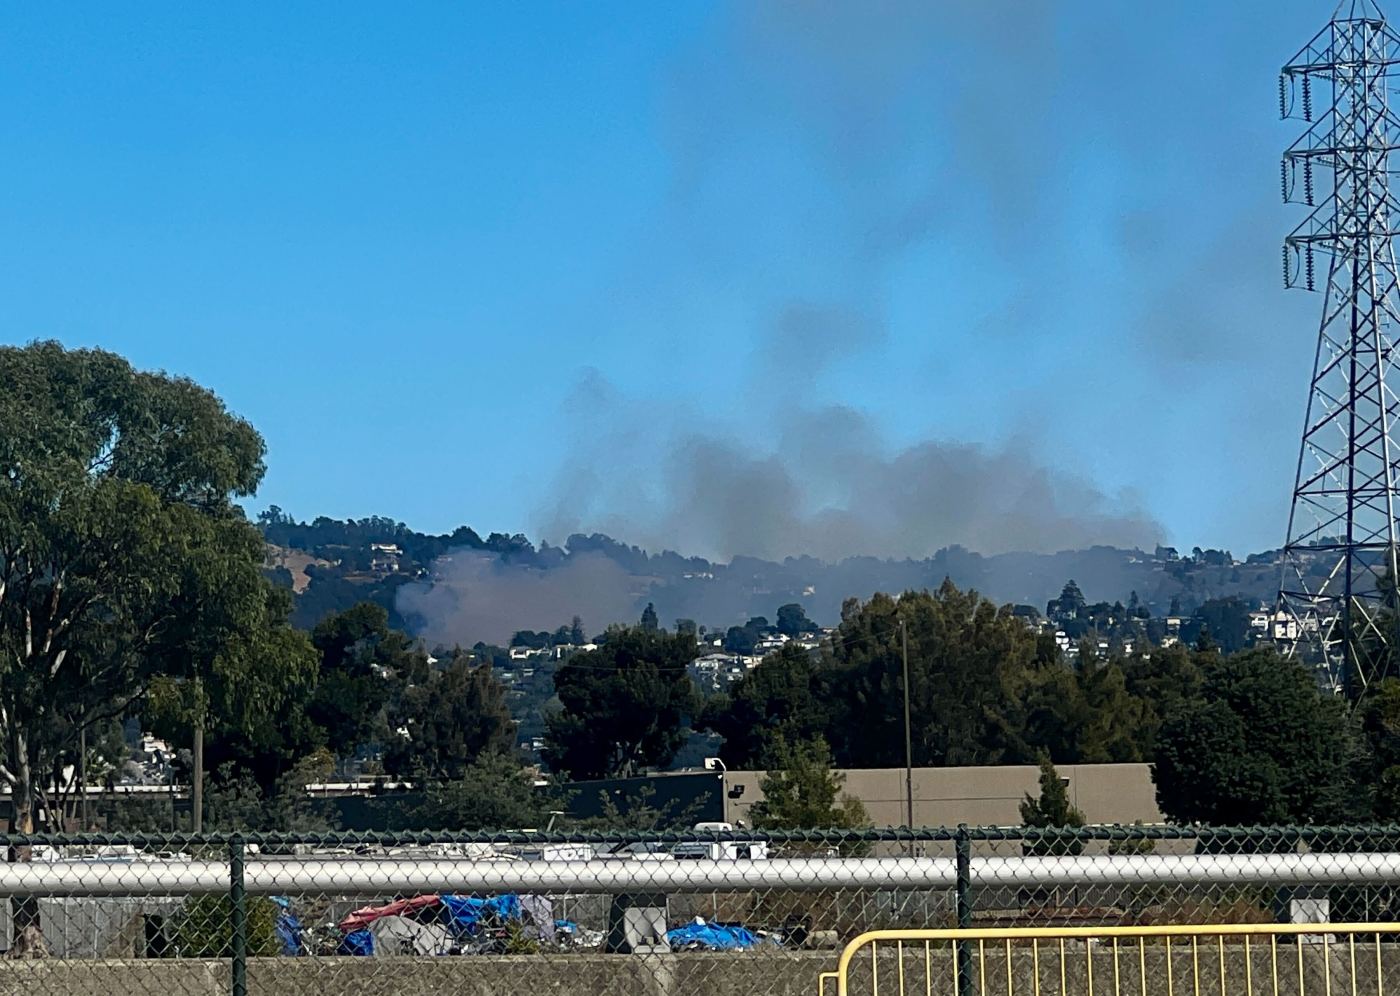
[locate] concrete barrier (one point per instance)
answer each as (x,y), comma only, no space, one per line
(683,974)
(772,973)
(114,977)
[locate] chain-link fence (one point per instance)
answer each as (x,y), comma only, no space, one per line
(645,913)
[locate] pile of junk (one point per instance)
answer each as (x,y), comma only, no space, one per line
(454,925)
(446,924)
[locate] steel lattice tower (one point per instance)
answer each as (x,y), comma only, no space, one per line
(1337,595)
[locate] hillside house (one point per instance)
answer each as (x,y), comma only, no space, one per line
(1284,626)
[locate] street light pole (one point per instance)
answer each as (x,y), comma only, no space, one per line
(908,736)
(197,782)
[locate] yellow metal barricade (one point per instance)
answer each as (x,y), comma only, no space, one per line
(1248,959)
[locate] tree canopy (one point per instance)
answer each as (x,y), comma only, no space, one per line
(985,688)
(623,706)
(801,791)
(787,696)
(1260,743)
(362,663)
(1051,809)
(447,723)
(494,792)
(123,556)
(793,621)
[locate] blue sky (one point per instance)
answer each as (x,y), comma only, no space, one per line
(552,266)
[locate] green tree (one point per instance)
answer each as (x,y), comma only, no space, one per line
(739,640)
(1379,712)
(123,556)
(639,810)
(230,661)
(802,792)
(1260,744)
(256,736)
(252,700)
(787,696)
(236,802)
(793,621)
(649,620)
(1051,810)
(1116,721)
(362,662)
(531,639)
(967,657)
(204,927)
(1161,680)
(1048,711)
(1227,621)
(445,724)
(495,792)
(1070,604)
(624,706)
(1133,843)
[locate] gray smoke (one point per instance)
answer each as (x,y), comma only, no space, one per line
(831,488)
(920,137)
(940,140)
(475,596)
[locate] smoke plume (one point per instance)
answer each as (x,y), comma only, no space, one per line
(979,147)
(475,596)
(830,487)
(917,140)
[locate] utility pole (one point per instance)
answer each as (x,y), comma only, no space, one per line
(908,737)
(174,810)
(82,778)
(197,788)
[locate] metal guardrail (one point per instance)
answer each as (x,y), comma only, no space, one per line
(651,912)
(1336,959)
(77,877)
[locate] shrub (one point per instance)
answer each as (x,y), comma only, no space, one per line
(205,927)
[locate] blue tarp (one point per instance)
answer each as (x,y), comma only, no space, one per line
(712,937)
(465,913)
(289,928)
(357,942)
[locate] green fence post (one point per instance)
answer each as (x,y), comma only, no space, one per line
(238,901)
(963,844)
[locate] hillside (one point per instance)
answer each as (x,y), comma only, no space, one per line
(460,587)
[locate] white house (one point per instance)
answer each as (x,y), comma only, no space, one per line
(1285,626)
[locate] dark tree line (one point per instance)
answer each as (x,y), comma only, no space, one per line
(373,698)
(1233,738)
(985,688)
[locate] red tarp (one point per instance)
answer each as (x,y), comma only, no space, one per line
(366,915)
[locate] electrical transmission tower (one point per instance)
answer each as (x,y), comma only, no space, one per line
(1337,598)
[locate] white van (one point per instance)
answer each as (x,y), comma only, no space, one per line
(717,850)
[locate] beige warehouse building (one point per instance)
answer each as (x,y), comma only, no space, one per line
(982,796)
